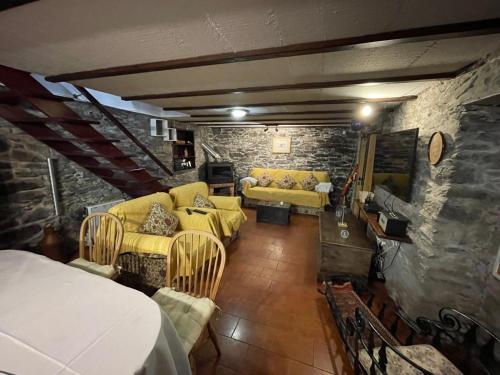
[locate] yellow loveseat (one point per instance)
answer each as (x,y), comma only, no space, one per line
(133,213)
(295,196)
(227,209)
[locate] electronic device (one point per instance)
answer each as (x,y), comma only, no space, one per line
(392,223)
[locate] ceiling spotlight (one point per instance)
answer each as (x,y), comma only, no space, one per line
(366,111)
(238,113)
(266,128)
(276,129)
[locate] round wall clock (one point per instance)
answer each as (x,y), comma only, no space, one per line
(436,148)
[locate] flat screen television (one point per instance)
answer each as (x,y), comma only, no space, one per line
(394,162)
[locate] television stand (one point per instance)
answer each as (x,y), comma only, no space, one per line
(227,185)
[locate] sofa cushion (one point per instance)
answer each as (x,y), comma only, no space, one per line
(276,174)
(159,221)
(133,213)
(426,356)
(296,197)
(189,314)
(309,183)
(144,243)
(202,202)
(264,179)
(286,182)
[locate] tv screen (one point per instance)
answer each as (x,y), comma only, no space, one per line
(394,162)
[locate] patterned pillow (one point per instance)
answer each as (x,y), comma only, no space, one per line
(202,202)
(264,179)
(159,221)
(309,182)
(286,182)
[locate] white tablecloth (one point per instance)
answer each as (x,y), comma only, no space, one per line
(56,319)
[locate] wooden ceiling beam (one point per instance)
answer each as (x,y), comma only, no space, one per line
(298,86)
(331,112)
(304,102)
(420,34)
(277,120)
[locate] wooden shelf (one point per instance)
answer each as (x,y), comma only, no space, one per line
(183,144)
(372,221)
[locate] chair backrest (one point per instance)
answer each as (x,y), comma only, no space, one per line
(195,263)
(101,236)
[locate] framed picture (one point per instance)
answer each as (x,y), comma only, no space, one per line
(281,145)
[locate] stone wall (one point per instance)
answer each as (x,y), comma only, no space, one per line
(455,206)
(312,148)
(26,203)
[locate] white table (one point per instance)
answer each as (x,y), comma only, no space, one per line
(56,319)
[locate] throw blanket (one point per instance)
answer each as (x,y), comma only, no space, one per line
(323,187)
(252,181)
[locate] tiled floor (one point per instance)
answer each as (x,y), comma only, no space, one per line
(273,320)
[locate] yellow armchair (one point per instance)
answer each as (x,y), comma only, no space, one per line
(133,213)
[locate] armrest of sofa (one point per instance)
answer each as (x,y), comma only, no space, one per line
(206,223)
(226,203)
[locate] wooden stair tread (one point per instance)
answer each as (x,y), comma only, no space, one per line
(9,97)
(89,155)
(44,120)
(86,140)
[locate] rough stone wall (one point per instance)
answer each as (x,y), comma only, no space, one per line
(455,206)
(25,195)
(312,148)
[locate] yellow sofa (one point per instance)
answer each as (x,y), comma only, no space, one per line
(227,209)
(133,213)
(295,196)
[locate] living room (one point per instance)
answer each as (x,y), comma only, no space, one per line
(274,187)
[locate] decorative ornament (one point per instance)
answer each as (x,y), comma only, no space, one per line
(436,148)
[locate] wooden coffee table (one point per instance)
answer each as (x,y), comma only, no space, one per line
(273,212)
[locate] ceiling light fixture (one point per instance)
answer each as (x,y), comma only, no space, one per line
(366,111)
(238,113)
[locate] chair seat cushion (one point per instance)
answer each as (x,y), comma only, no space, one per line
(425,356)
(106,271)
(189,314)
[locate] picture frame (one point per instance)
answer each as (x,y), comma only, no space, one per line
(282,145)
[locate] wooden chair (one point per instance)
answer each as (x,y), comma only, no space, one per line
(195,263)
(101,236)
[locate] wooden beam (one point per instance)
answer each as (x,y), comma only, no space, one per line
(297,86)
(304,102)
(8,4)
(331,112)
(420,34)
(275,120)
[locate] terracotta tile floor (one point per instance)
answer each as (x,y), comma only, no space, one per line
(273,320)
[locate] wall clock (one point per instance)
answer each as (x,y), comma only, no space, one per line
(436,148)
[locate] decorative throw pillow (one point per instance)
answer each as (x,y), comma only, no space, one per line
(202,202)
(309,182)
(264,179)
(159,221)
(286,182)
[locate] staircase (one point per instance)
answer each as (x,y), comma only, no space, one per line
(80,142)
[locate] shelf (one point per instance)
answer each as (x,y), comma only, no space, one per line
(371,219)
(183,144)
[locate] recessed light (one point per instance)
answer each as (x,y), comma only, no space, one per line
(238,112)
(366,111)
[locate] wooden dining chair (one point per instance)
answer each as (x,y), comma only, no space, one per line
(195,264)
(101,236)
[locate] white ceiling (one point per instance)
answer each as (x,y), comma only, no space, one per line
(60,36)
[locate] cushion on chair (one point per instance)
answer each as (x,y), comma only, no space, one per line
(189,314)
(106,271)
(160,221)
(425,356)
(202,202)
